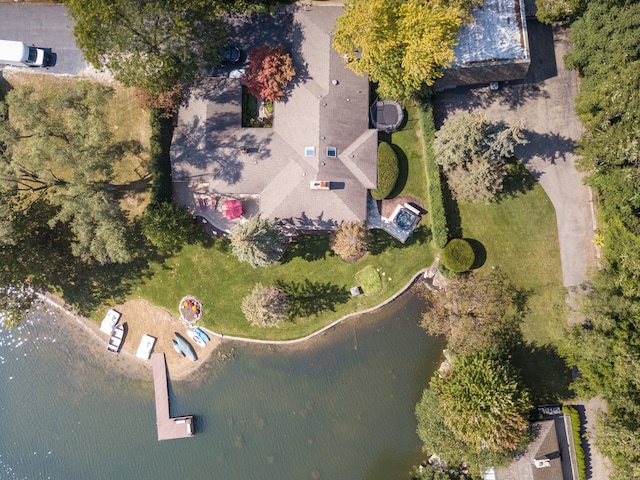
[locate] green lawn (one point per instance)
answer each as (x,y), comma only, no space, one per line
(369,279)
(519,236)
(316,281)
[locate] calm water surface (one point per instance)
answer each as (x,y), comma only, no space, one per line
(339,407)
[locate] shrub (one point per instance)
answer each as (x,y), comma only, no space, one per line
(437,213)
(350,239)
(265,306)
(369,280)
(457,256)
(388,171)
(167,103)
(161,133)
(577,440)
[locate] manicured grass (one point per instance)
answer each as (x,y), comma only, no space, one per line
(316,281)
(519,236)
(406,142)
(369,279)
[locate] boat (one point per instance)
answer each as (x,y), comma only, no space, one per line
(202,334)
(146,346)
(177,348)
(195,338)
(186,347)
(115,341)
(110,321)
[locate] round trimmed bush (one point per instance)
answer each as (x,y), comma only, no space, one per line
(457,256)
(388,171)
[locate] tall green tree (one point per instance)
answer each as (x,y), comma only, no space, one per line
(484,403)
(153,44)
(473,152)
(401,44)
(167,225)
(60,149)
(259,241)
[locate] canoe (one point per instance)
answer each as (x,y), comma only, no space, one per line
(195,338)
(115,340)
(202,334)
(177,348)
(186,347)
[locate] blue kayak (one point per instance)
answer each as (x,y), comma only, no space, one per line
(198,331)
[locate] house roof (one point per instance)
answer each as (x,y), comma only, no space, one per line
(497,33)
(326,107)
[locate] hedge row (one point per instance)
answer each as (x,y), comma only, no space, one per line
(388,171)
(577,440)
(439,229)
(161,133)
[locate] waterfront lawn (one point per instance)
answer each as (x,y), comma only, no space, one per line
(316,281)
(519,236)
(369,280)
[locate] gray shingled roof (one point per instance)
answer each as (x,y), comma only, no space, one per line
(317,112)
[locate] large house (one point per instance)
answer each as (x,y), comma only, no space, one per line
(312,169)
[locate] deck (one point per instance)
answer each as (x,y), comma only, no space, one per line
(168,428)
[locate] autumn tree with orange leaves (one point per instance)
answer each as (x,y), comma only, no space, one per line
(269,72)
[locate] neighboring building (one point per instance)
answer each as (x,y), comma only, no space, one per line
(313,169)
(494,47)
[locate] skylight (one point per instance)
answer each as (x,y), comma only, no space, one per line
(309,151)
(332,152)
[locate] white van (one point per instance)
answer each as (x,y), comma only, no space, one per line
(19,54)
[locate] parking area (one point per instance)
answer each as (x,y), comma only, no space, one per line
(544,102)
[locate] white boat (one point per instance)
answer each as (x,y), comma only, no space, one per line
(115,341)
(109,321)
(195,338)
(145,347)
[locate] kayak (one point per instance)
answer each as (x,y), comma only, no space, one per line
(186,347)
(195,338)
(202,334)
(177,348)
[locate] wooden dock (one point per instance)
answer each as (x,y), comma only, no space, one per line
(168,428)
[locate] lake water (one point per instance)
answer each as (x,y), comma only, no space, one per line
(338,407)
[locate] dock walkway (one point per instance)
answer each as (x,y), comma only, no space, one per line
(168,428)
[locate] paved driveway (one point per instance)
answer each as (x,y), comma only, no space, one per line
(544,102)
(44,26)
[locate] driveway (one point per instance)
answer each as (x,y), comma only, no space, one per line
(544,102)
(44,26)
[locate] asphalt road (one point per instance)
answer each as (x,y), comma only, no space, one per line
(44,26)
(544,102)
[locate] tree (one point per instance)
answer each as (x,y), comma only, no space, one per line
(438,439)
(473,153)
(550,11)
(265,306)
(60,149)
(388,171)
(401,44)
(350,239)
(474,313)
(483,403)
(259,242)
(167,225)
(269,71)
(154,45)
(15,302)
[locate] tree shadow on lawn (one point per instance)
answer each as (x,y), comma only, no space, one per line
(479,252)
(518,181)
(382,241)
(544,372)
(310,298)
(308,247)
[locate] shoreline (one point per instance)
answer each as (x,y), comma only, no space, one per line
(143,317)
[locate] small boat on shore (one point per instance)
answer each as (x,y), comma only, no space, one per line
(202,334)
(186,347)
(195,338)
(115,341)
(177,348)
